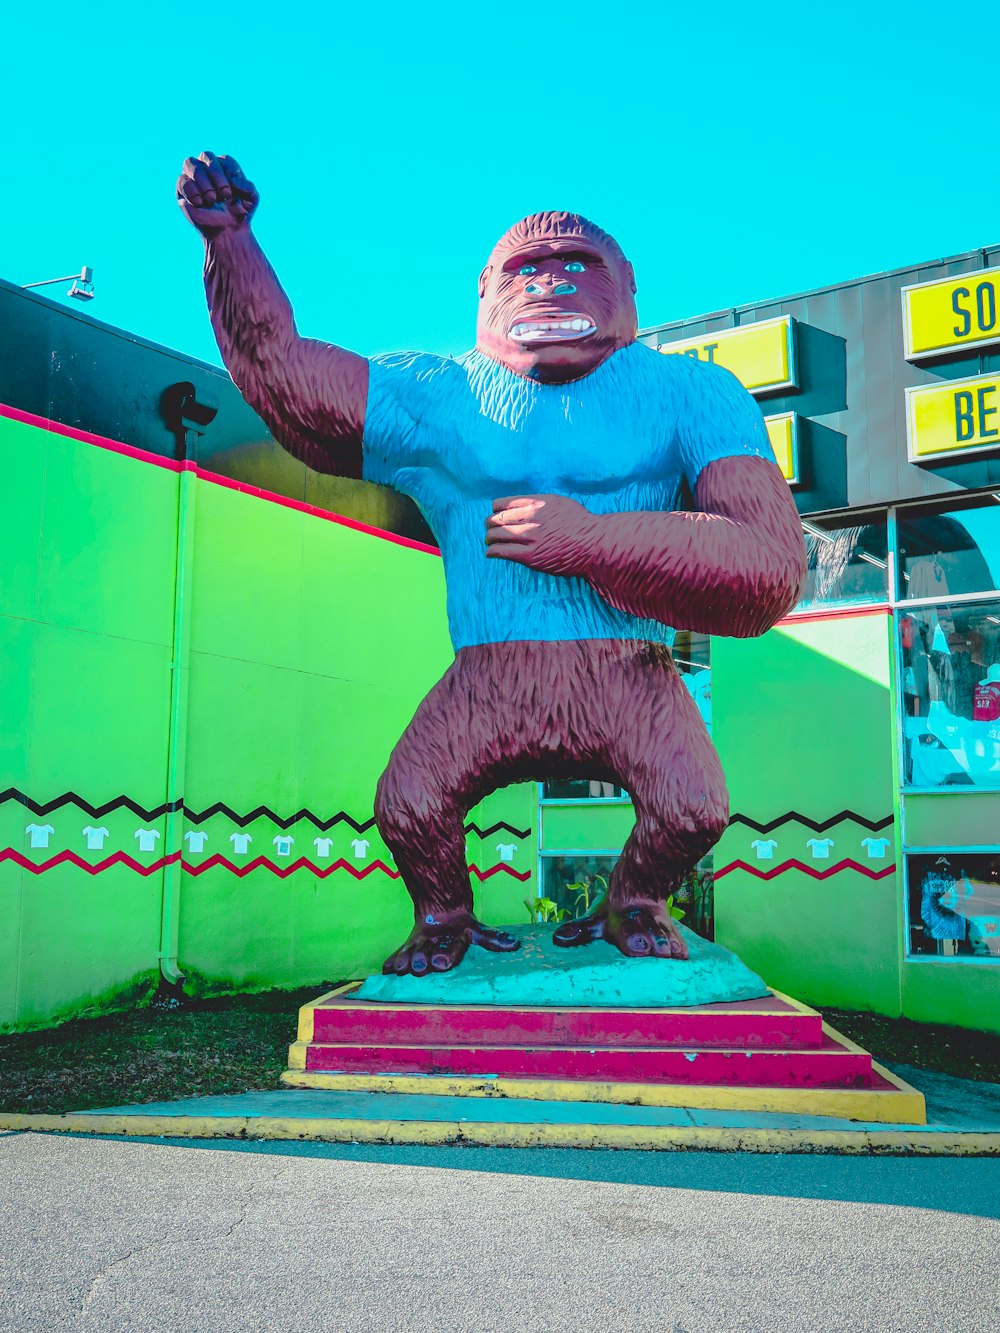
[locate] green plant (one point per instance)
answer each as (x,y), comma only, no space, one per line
(582,889)
(676,912)
(544,909)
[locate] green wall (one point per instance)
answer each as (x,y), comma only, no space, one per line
(803,722)
(186,657)
(85,646)
(276,682)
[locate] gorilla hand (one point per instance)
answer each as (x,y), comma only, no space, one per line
(215,194)
(550,533)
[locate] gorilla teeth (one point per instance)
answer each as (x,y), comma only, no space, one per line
(529,327)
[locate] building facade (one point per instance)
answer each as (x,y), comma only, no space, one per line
(209,652)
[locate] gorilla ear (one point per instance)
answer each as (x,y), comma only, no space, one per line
(484,278)
(630,273)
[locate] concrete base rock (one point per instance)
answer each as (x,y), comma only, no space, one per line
(540,974)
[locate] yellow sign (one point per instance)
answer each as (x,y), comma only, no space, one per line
(951,314)
(761,356)
(959,416)
(783,432)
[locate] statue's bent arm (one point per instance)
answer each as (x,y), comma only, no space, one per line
(732,566)
(311,394)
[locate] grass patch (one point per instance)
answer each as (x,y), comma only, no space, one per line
(900,1041)
(240,1043)
(203,1048)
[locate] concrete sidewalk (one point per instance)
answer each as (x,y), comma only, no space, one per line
(963,1119)
(101,1235)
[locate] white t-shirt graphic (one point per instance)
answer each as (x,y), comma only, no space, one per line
(40,834)
(284,844)
(820,848)
(764,847)
(147,839)
(876,846)
(95,838)
(360,846)
(196,839)
(322,846)
(506,850)
(240,841)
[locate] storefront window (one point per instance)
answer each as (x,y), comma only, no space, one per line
(954,901)
(577,881)
(845,565)
(951,694)
(945,554)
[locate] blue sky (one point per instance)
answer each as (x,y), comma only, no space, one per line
(736,152)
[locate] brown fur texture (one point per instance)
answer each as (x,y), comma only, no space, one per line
(508,712)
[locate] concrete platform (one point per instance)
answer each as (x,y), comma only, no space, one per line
(540,974)
(963,1119)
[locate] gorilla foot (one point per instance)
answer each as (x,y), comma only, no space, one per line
(639,930)
(440,943)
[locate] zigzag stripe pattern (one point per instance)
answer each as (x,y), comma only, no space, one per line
(808,870)
(258,863)
(502,827)
(220,808)
(818,825)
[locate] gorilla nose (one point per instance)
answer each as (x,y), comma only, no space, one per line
(560,289)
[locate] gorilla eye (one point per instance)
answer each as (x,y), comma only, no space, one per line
(525,269)
(574,266)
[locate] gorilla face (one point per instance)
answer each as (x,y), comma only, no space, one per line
(556,299)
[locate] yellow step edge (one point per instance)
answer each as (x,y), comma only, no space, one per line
(903,1107)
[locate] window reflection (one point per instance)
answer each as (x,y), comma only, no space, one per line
(951,694)
(941,554)
(845,565)
(582,789)
(692,657)
(954,900)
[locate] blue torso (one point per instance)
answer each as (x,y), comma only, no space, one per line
(457,434)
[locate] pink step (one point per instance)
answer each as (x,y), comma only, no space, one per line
(830,1065)
(772,1023)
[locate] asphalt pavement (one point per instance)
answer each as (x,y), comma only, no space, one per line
(110,1234)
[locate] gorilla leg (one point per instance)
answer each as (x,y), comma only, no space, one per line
(509,712)
(666,761)
(442,765)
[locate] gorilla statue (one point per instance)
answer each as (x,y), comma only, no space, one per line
(587,493)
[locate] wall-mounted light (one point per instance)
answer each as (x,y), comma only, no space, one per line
(83,284)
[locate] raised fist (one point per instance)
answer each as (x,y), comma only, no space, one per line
(215,194)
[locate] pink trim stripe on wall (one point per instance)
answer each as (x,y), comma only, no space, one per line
(172,465)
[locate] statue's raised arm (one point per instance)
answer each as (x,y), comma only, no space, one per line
(311,394)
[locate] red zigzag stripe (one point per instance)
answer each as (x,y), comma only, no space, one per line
(807,870)
(259,863)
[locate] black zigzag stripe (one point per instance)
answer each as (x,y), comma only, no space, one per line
(497,828)
(95,811)
(199,817)
(220,808)
(818,825)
